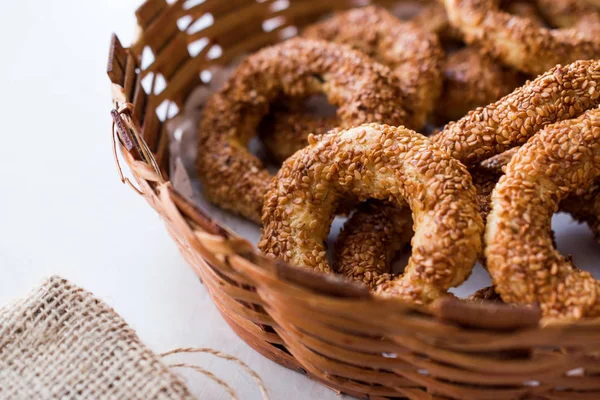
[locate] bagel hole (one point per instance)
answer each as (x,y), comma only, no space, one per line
(320,107)
(334,232)
(256,147)
(400,260)
(315,106)
(576,241)
(478,279)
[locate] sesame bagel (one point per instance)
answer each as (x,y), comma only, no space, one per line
(521,258)
(383,163)
(414,55)
(363,90)
(518,42)
(471,80)
(559,94)
(572,14)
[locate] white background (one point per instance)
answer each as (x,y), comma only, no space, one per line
(63,210)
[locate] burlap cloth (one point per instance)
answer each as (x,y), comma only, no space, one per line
(61,342)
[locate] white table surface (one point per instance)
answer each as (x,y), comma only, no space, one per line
(63,210)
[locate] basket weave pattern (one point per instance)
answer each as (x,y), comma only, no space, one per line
(322,326)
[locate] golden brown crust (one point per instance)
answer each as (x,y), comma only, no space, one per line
(384,163)
(559,94)
(486,175)
(518,42)
(594,3)
(377,231)
(572,13)
(414,55)
(525,9)
(363,90)
(471,80)
(583,205)
(433,18)
(562,159)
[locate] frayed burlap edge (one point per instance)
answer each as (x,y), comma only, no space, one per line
(62,342)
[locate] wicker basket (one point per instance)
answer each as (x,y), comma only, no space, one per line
(323,326)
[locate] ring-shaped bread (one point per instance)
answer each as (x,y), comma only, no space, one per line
(559,94)
(383,163)
(378,231)
(525,266)
(572,14)
(471,80)
(414,55)
(482,136)
(363,90)
(285,129)
(519,42)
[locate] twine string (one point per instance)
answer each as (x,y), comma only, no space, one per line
(224,356)
(208,374)
(145,152)
(125,108)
